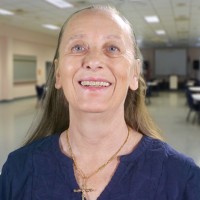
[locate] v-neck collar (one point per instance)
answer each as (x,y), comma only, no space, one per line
(126,161)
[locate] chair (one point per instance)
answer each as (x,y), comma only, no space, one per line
(193,107)
(197,83)
(40,92)
(148,95)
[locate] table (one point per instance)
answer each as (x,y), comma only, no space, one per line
(152,86)
(153,83)
(194,89)
(190,83)
(196,97)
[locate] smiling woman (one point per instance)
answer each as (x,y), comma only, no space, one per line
(95,138)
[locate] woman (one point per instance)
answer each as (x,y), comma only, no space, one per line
(95,139)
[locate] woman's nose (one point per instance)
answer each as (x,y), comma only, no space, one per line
(93,61)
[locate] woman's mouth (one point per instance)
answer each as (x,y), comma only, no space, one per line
(95,83)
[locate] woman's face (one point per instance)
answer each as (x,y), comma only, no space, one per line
(96,65)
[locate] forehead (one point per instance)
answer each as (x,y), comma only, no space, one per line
(97,19)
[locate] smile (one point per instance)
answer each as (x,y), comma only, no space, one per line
(95,83)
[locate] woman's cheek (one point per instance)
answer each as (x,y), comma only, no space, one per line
(66,66)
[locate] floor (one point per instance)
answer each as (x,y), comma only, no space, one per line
(168,109)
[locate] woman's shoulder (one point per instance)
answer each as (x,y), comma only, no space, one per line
(168,152)
(25,154)
(150,150)
(171,159)
(24,164)
(176,169)
(38,145)
(161,156)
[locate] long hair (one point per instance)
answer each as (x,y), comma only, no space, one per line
(54,112)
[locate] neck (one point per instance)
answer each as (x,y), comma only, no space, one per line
(99,139)
(99,132)
(98,122)
(95,134)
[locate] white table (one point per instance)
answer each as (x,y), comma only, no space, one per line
(194,89)
(190,83)
(152,84)
(196,97)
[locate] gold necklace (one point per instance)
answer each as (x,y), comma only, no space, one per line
(83,189)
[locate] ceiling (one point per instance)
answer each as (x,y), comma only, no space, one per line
(179,18)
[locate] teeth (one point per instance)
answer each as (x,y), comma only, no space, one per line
(95,83)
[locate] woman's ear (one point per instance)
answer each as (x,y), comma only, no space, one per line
(135,75)
(57,74)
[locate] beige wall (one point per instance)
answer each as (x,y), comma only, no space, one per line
(15,41)
(6,67)
(1,76)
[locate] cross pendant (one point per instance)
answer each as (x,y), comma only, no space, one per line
(83,191)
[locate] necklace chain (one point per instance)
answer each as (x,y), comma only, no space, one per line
(85,178)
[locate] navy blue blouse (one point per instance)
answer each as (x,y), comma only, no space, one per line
(153,171)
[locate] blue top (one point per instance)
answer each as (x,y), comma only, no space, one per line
(153,171)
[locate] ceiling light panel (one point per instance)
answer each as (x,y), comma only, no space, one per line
(160,32)
(5,12)
(51,26)
(152,19)
(60,3)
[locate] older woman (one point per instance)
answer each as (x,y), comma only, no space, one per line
(95,139)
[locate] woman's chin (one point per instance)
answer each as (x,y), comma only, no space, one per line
(93,108)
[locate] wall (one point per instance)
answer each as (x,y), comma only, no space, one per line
(43,53)
(6,69)
(22,42)
(192,54)
(1,63)
(148,55)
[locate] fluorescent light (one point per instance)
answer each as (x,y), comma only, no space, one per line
(60,3)
(5,12)
(51,27)
(151,19)
(160,32)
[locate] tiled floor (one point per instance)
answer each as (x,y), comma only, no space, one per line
(168,109)
(15,119)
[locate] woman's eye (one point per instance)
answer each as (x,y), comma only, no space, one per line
(78,48)
(113,49)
